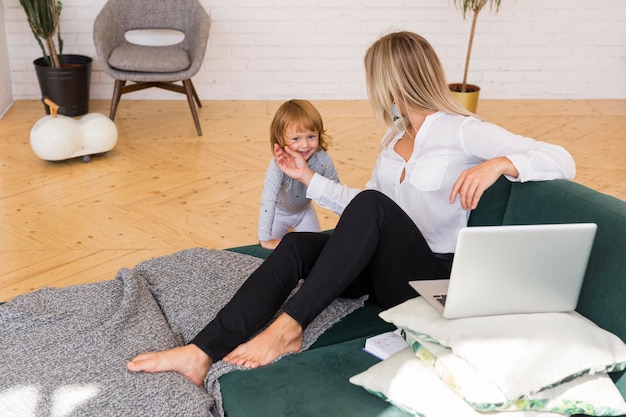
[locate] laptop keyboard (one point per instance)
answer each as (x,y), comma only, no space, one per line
(441,298)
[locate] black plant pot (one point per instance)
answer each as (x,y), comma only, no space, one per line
(67,86)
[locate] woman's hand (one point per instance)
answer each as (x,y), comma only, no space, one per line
(473,182)
(270,244)
(292,164)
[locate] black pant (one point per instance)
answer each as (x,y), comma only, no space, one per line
(375,249)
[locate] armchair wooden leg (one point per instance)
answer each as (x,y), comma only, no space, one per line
(117,94)
(195,94)
(191,94)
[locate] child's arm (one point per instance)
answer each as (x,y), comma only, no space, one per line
(271,187)
(269,244)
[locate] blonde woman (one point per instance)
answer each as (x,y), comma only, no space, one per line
(435,163)
(285,207)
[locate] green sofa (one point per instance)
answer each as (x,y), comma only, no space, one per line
(315,382)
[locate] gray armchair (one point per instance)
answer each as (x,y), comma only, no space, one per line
(152,66)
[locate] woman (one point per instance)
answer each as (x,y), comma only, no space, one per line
(436,161)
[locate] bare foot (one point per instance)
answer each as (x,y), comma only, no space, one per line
(188,360)
(283,336)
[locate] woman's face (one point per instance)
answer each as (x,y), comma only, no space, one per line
(305,142)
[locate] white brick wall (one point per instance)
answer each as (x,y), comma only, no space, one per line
(6,94)
(279,49)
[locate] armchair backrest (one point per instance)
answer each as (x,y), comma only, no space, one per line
(150,14)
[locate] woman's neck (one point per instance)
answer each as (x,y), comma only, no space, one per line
(415,122)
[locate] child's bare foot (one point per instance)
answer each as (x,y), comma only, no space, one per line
(283,336)
(188,360)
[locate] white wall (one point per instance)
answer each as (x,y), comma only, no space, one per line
(279,49)
(6,90)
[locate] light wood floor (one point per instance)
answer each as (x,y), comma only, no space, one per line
(163,189)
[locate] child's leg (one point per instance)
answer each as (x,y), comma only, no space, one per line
(302,221)
(308,221)
(283,220)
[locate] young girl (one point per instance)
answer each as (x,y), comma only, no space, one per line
(284,206)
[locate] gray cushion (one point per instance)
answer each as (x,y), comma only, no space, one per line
(140,58)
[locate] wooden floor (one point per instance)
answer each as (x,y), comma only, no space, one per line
(163,189)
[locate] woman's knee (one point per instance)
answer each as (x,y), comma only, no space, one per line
(298,252)
(369,196)
(368,201)
(302,243)
(295,239)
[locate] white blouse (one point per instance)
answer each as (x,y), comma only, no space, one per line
(445,145)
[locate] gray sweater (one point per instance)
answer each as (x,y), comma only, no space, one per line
(282,190)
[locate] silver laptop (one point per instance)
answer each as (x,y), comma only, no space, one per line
(513,269)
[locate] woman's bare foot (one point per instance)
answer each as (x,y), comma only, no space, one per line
(188,360)
(283,336)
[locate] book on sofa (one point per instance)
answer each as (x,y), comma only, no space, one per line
(385,344)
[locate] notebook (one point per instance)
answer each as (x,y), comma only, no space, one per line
(513,269)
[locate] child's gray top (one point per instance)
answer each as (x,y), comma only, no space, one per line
(289,194)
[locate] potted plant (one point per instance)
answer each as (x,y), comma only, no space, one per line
(65,79)
(467,94)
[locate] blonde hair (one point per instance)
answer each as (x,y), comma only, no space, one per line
(301,114)
(403,68)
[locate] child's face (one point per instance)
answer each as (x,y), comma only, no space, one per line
(303,141)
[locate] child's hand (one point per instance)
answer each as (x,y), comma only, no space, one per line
(270,244)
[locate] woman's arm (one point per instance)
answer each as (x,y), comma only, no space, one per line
(534,160)
(473,182)
(504,153)
(325,192)
(292,164)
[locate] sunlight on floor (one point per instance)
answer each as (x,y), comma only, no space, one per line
(24,401)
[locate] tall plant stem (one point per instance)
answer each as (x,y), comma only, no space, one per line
(54,57)
(469,48)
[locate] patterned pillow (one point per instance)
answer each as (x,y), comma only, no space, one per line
(588,394)
(410,384)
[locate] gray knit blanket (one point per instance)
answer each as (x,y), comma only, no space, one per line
(63,351)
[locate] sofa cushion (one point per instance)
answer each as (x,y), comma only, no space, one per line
(302,383)
(252,250)
(311,383)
